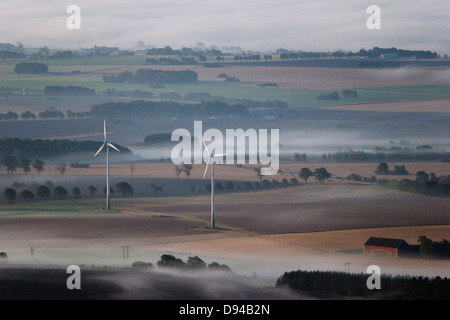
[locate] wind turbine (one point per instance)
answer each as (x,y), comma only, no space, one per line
(211,161)
(107,144)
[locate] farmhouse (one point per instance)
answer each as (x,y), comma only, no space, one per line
(386,247)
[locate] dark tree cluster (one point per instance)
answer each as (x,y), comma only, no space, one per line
(349,93)
(68,91)
(438,187)
(354,285)
(434,249)
(10,115)
(30,68)
(11,55)
(49,147)
(192,264)
(328,96)
(383,169)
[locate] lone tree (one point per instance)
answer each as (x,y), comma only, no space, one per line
(257,170)
(125,189)
(60,192)
(305,174)
(169,261)
(43,191)
(195,263)
(10,195)
(422,176)
(61,167)
(321,175)
(382,168)
(187,168)
(425,246)
(25,165)
(178,170)
(38,165)
(10,163)
(76,192)
(156,189)
(132,168)
(26,195)
(92,190)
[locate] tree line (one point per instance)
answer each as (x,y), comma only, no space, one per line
(373,53)
(68,91)
(333,283)
(169,261)
(150,76)
(378,155)
(430,249)
(144,109)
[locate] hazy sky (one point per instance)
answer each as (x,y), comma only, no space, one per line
(323,25)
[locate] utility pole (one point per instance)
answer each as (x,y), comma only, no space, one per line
(125,249)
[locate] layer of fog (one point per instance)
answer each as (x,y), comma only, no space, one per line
(314,142)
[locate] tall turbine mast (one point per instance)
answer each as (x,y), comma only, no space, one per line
(107,144)
(211,161)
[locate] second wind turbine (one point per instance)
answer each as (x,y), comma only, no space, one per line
(211,161)
(107,144)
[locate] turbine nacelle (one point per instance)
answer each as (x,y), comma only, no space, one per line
(105,141)
(211,158)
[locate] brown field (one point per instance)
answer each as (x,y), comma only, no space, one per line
(230,172)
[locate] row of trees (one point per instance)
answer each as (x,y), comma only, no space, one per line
(167,109)
(12,162)
(68,91)
(172,262)
(246,186)
(429,188)
(44,191)
(152,77)
(48,114)
(373,53)
(378,155)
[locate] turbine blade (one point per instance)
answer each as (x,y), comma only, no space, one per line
(206,169)
(207,150)
(219,155)
(101,148)
(104,129)
(112,146)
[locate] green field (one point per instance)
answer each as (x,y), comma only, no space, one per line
(47,208)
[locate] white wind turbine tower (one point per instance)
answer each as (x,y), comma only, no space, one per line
(211,161)
(107,144)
